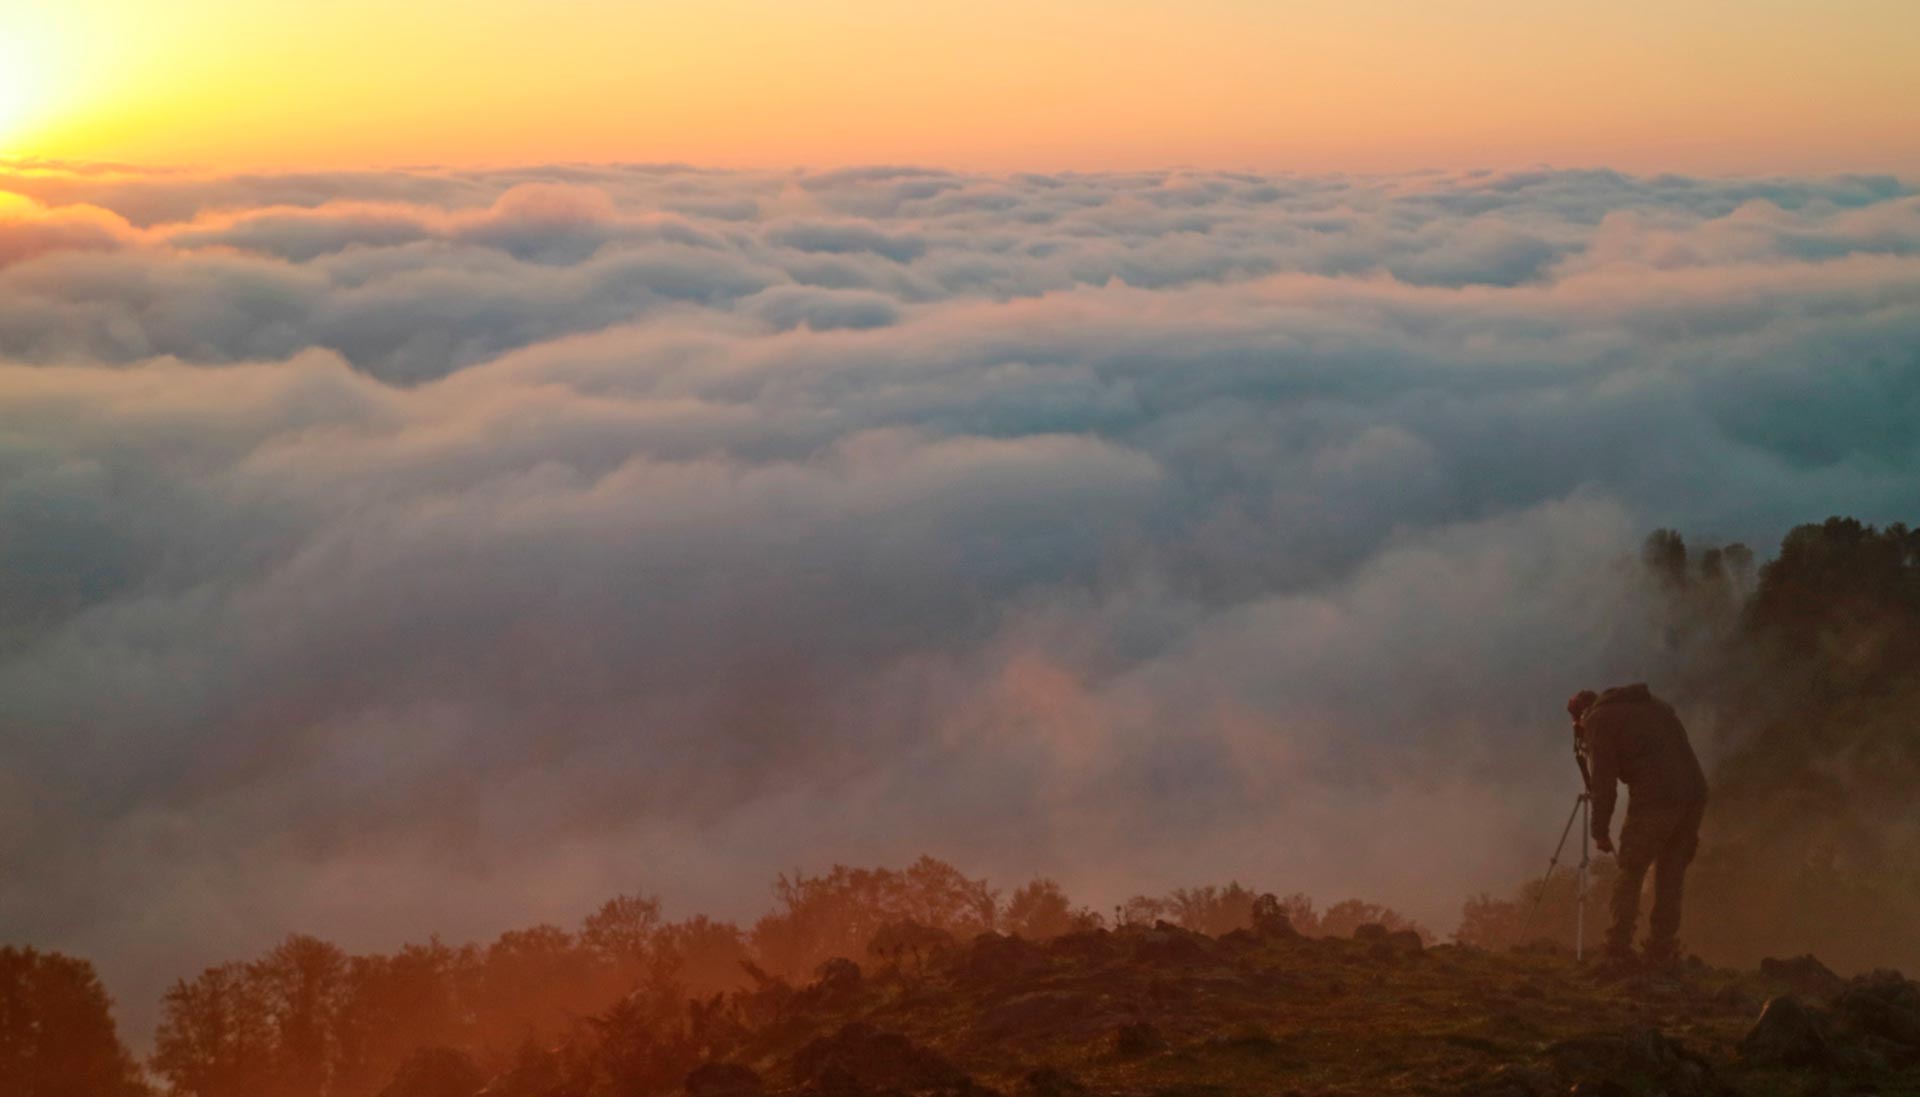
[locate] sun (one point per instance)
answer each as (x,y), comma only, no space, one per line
(20,90)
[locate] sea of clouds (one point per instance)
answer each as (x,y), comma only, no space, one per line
(395,552)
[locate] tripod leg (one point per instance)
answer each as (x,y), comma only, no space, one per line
(1586,857)
(1552,863)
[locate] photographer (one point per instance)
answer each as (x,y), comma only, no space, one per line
(1626,734)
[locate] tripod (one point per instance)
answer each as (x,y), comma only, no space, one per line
(1582,805)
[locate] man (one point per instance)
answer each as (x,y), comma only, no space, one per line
(1633,736)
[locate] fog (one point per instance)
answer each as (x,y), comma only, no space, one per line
(392,553)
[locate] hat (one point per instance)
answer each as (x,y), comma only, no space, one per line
(1579,703)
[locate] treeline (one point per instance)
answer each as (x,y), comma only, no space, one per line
(618,1004)
(307,1020)
(1803,680)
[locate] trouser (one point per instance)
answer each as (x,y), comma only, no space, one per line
(1662,839)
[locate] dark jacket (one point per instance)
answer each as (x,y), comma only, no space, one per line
(1633,736)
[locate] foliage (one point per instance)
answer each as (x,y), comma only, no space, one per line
(1041,911)
(1799,681)
(56,1030)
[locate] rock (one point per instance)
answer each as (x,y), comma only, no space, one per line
(1733,998)
(1166,943)
(837,977)
(1406,940)
(992,958)
(1787,1034)
(837,984)
(1087,945)
(723,1080)
(1804,975)
(1139,1038)
(1513,1081)
(1883,1005)
(860,1057)
(908,942)
(1270,919)
(1050,1082)
(436,1072)
(1640,1061)
(1371,931)
(1040,1013)
(1240,940)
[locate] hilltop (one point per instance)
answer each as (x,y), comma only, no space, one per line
(1166,1012)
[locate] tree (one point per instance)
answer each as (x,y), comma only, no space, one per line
(1213,910)
(436,1072)
(702,955)
(57,1037)
(303,985)
(395,1004)
(835,915)
(216,1036)
(621,932)
(1041,911)
(1665,556)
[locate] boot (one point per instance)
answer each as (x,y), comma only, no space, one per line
(1665,955)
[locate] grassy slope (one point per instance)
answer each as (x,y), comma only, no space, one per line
(1244,1015)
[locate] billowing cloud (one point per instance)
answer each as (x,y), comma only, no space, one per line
(388,553)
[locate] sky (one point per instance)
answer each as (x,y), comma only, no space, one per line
(1709,86)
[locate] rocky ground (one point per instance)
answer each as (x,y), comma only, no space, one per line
(1162,1012)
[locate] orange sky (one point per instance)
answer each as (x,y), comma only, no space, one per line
(1717,85)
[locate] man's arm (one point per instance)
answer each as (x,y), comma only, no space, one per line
(1603,756)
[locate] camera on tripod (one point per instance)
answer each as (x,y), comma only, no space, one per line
(1577,707)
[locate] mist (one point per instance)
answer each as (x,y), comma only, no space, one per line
(385,554)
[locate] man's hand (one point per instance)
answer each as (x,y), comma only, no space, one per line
(1603,843)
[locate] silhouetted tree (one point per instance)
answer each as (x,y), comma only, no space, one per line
(302,984)
(436,1072)
(821,917)
(621,932)
(1665,556)
(1041,911)
(702,955)
(216,1036)
(1213,910)
(57,1037)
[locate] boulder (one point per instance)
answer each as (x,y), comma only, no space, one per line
(1803,975)
(1788,1034)
(992,958)
(723,1080)
(1883,1005)
(1139,1038)
(861,1058)
(1093,945)
(1270,919)
(1051,1082)
(1641,1060)
(1167,943)
(1513,1080)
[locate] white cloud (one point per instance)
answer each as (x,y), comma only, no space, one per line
(405,533)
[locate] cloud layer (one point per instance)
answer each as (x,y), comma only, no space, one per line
(384,553)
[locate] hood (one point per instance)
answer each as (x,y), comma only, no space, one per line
(1637,693)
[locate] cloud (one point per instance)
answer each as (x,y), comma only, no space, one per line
(490,542)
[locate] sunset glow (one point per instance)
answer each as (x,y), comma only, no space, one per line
(1388,84)
(959,548)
